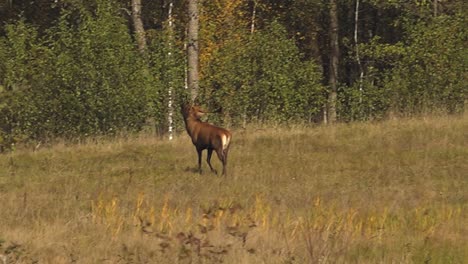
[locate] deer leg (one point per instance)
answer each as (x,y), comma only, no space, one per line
(199,151)
(222,158)
(225,152)
(208,160)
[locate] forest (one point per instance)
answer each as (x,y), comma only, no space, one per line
(72,69)
(348,120)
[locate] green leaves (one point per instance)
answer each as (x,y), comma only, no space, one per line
(263,78)
(422,73)
(83,77)
(431,74)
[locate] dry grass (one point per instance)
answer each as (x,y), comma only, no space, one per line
(392,192)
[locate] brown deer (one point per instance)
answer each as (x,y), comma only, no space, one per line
(206,136)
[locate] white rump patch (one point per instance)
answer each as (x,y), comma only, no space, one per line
(225,140)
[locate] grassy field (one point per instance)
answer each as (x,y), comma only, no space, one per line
(390,192)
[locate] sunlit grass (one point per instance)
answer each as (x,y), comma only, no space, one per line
(391,192)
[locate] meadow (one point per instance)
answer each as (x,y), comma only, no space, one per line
(385,192)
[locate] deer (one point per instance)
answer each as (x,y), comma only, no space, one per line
(206,136)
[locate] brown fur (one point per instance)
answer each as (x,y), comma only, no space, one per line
(206,136)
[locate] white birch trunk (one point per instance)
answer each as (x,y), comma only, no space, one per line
(334,60)
(170,107)
(358,58)
(254,13)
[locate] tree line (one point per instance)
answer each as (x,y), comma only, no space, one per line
(72,68)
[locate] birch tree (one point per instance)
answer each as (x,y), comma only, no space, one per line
(334,57)
(170,108)
(193,49)
(138,25)
(358,58)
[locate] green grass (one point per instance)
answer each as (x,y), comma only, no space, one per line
(390,192)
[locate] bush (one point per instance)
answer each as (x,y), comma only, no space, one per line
(432,74)
(262,78)
(83,77)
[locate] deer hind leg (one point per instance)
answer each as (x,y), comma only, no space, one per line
(208,160)
(225,152)
(222,155)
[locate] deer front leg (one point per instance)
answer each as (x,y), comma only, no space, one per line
(199,151)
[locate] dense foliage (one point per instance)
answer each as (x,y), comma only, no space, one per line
(75,70)
(265,80)
(82,77)
(432,72)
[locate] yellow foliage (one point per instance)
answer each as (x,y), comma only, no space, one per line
(326,220)
(221,21)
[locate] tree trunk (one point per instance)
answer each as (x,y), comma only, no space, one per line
(254,13)
(170,100)
(138,25)
(192,49)
(334,56)
(252,31)
(358,58)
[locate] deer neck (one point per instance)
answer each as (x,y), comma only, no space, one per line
(190,124)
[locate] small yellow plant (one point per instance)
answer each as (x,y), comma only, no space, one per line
(107,213)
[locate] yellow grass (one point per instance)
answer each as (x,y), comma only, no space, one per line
(391,192)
